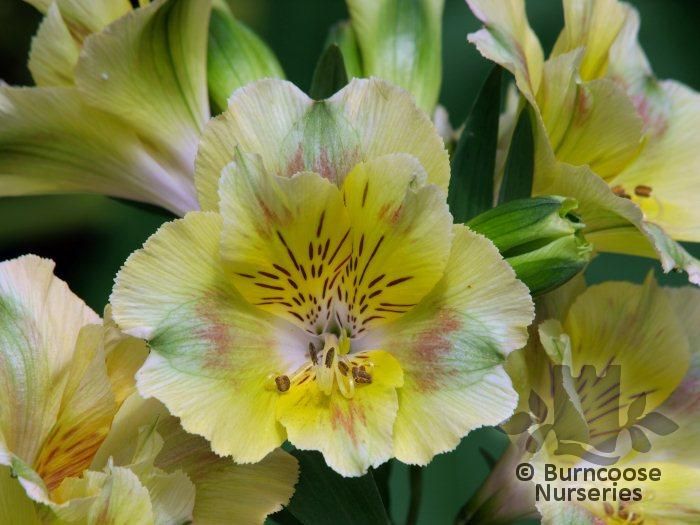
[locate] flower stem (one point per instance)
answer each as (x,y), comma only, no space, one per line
(415,474)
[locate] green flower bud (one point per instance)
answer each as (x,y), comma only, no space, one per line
(401,41)
(236,56)
(541,238)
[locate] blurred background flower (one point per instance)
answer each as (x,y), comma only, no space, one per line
(91,236)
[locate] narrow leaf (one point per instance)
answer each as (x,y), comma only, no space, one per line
(473,162)
(324,496)
(330,74)
(520,164)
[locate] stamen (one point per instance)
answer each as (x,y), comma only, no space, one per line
(343,368)
(329,357)
(620,192)
(283,383)
(360,375)
(312,354)
(642,190)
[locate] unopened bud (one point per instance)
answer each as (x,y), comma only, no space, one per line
(540,237)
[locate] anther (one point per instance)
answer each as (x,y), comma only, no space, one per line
(312,354)
(329,357)
(620,192)
(642,190)
(283,383)
(360,375)
(343,368)
(609,510)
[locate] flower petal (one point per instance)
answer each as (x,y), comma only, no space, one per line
(353,434)
(86,16)
(40,321)
(594,26)
(149,68)
(401,233)
(291,133)
(79,149)
(625,324)
(284,241)
(54,52)
(452,347)
(508,40)
(669,164)
(214,356)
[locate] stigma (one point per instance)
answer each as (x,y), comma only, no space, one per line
(332,366)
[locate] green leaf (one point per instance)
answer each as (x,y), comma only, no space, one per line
(520,164)
(325,497)
(236,56)
(330,74)
(473,162)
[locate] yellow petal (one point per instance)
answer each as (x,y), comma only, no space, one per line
(54,51)
(291,133)
(80,150)
(353,434)
(593,25)
(285,241)
(149,68)
(40,321)
(508,40)
(401,235)
(214,356)
(625,324)
(578,118)
(86,16)
(669,165)
(124,355)
(451,347)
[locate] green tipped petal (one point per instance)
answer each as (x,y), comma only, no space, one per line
(291,133)
(401,41)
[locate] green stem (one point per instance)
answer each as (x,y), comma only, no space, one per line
(415,474)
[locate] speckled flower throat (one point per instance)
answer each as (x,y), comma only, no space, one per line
(332,266)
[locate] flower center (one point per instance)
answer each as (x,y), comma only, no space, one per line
(331,365)
(621,514)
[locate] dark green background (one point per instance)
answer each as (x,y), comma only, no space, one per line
(90,237)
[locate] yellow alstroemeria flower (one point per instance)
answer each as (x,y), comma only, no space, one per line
(607,132)
(330,301)
(78,444)
(651,333)
(120,102)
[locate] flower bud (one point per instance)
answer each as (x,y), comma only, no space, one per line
(236,56)
(401,42)
(540,237)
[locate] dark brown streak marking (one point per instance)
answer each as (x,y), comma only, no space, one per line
(269,286)
(246,275)
(376,280)
(398,281)
(289,251)
(364,194)
(282,269)
(374,252)
(320,223)
(342,241)
(270,275)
